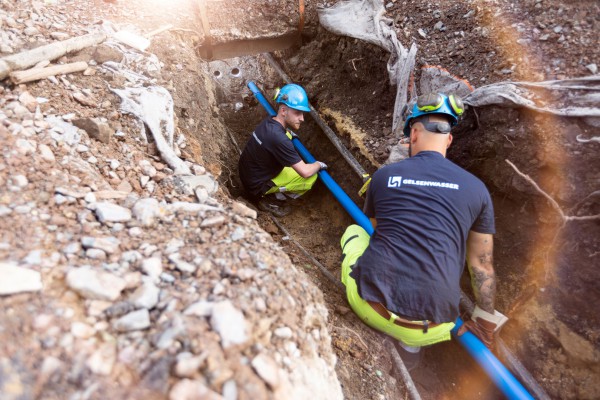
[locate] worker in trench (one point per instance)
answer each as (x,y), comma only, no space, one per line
(270,168)
(429,216)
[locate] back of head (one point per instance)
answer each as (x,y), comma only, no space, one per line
(294,96)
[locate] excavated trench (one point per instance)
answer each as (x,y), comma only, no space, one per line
(347,83)
(318,221)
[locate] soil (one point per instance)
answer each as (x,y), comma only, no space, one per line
(547,270)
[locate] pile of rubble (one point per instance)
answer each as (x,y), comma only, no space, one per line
(120,277)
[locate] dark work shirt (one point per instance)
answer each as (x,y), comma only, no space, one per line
(425,207)
(268,150)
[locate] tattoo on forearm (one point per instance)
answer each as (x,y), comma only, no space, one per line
(483,281)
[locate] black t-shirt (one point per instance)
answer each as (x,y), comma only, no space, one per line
(268,150)
(425,207)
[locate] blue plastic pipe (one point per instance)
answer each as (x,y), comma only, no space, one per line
(341,196)
(497,372)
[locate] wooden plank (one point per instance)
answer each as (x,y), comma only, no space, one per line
(35,74)
(29,58)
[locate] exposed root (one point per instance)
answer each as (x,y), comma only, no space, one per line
(553,203)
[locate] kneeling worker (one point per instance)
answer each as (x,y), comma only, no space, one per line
(429,216)
(270,168)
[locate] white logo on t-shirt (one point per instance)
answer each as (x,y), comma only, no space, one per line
(397,181)
(394,181)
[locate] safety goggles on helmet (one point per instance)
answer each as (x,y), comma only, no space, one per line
(433,103)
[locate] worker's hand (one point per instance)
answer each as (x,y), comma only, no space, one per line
(483,325)
(481,328)
(323,165)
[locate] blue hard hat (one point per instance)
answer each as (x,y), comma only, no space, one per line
(293,96)
(433,103)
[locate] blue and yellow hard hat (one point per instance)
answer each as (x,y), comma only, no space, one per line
(433,103)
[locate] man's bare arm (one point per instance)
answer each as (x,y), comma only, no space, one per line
(306,170)
(480,259)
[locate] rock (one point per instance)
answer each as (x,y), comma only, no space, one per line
(146,296)
(81,330)
(28,101)
(229,323)
(422,33)
(97,285)
(267,369)
(86,101)
(95,128)
(17,279)
(593,68)
(147,168)
(134,321)
(187,184)
(109,212)
(188,364)
(95,254)
(146,211)
(243,210)
(109,245)
(200,308)
(213,221)
(157,377)
(152,267)
(101,362)
(230,390)
(104,53)
(283,332)
(187,389)
(180,264)
(46,153)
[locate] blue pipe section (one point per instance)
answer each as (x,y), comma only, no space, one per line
(341,196)
(497,372)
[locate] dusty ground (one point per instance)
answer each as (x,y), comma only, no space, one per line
(547,277)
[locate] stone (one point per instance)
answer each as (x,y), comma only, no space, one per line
(182,265)
(134,321)
(229,323)
(243,210)
(109,212)
(95,128)
(17,279)
(82,330)
(189,183)
(101,362)
(593,68)
(284,332)
(46,153)
(109,245)
(187,389)
(147,210)
(267,369)
(96,285)
(200,308)
(188,364)
(213,221)
(146,296)
(152,267)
